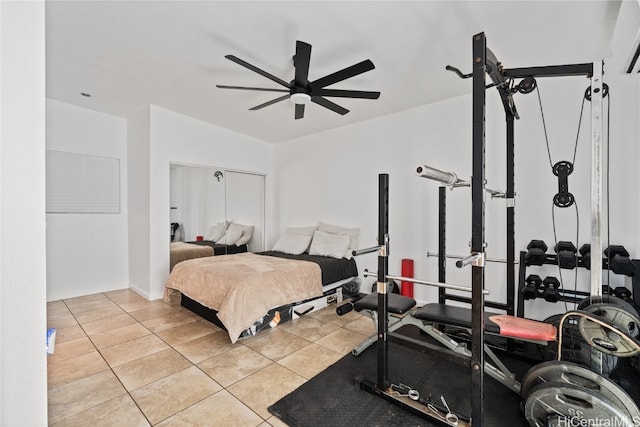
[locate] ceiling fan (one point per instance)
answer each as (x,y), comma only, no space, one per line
(300,90)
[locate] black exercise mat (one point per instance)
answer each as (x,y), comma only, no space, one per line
(334,398)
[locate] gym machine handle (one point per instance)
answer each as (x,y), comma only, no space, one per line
(447,178)
(458,72)
(477,260)
(365,251)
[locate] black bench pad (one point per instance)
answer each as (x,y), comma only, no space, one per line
(398,304)
(452,315)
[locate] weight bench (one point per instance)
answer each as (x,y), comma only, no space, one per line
(399,306)
(430,316)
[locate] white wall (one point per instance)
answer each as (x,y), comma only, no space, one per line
(138,200)
(23,368)
(175,138)
(87,253)
(332,177)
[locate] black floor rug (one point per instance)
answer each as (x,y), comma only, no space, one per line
(334,398)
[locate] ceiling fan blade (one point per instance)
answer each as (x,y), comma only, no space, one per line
(301,63)
(252,88)
(345,73)
(299,111)
(330,105)
(347,93)
(257,70)
(266,104)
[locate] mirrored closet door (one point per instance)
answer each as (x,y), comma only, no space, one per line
(211,204)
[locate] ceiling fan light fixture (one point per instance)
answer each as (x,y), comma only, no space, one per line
(300,98)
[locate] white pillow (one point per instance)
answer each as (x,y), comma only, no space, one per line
(231,236)
(247,232)
(215,232)
(353,234)
(292,243)
(327,244)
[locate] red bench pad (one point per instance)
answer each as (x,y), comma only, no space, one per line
(517,327)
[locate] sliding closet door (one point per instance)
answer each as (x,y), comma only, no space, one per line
(245,204)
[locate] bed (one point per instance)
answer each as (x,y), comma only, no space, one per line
(248,292)
(181,251)
(221,239)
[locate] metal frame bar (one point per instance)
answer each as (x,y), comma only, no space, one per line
(442,242)
(477,226)
(596,176)
(382,346)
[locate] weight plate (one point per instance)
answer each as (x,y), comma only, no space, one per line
(575,348)
(610,299)
(561,404)
(607,340)
(560,372)
(618,315)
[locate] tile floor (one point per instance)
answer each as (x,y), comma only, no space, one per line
(122,360)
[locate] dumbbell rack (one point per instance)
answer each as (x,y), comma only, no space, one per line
(570,295)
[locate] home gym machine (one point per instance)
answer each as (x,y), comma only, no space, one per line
(551,393)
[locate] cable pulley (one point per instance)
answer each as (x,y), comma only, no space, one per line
(605,92)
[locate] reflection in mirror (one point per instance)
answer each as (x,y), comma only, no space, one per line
(215,211)
(245,204)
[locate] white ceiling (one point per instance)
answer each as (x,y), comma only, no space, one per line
(128,54)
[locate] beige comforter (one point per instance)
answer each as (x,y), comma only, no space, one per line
(244,287)
(181,251)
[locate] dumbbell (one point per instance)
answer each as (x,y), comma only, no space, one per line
(619,261)
(566,252)
(585,252)
(551,286)
(622,293)
(533,287)
(536,253)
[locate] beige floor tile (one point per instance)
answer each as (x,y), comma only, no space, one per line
(72,302)
(363,325)
(61,321)
(78,396)
(329,315)
(107,323)
(187,332)
(140,305)
(107,310)
(167,321)
(310,360)
(69,333)
(88,305)
(158,310)
(277,345)
(145,370)
(221,409)
(120,354)
(310,328)
(234,365)
(57,308)
(170,395)
(121,411)
(73,369)
(119,335)
(126,298)
(205,347)
(342,340)
(70,349)
(262,389)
